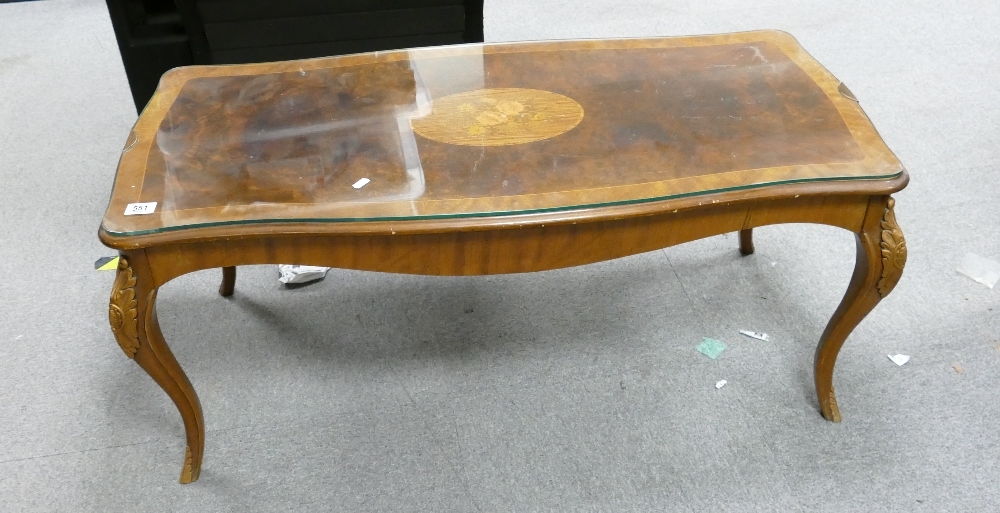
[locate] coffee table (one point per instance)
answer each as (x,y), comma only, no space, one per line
(490,159)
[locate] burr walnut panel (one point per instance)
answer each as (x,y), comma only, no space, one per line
(489,130)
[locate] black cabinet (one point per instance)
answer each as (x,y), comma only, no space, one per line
(152,39)
(156,35)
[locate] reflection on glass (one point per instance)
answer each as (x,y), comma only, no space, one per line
(289,138)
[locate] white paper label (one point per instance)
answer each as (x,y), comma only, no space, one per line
(138,209)
(361,183)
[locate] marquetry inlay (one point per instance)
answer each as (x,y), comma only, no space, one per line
(499,117)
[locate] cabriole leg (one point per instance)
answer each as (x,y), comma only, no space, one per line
(881,255)
(132,314)
(746,242)
(228,281)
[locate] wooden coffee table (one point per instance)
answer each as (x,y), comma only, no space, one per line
(491,159)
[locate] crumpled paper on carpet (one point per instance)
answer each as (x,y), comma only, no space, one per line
(292,274)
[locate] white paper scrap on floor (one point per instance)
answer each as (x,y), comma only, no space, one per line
(298,274)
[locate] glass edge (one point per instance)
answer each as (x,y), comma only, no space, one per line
(487,214)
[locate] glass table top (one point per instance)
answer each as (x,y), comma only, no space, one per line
(487,130)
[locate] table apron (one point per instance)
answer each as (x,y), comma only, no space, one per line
(504,250)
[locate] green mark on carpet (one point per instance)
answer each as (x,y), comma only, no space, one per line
(711,348)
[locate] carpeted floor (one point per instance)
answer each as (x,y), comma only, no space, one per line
(571,390)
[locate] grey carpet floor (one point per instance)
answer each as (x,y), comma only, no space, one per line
(571,390)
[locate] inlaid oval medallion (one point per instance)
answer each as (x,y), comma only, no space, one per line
(499,117)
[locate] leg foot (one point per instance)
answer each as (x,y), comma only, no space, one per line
(881,255)
(746,242)
(190,471)
(228,281)
(134,323)
(828,407)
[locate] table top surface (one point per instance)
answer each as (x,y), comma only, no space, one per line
(490,130)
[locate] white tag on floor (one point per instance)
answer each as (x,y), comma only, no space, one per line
(361,183)
(138,209)
(720,384)
(754,334)
(983,270)
(899,359)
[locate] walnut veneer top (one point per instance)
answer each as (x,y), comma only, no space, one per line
(489,130)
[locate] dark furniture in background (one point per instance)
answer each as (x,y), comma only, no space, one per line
(157,35)
(151,39)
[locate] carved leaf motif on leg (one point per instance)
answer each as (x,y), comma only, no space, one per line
(893,251)
(122,310)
